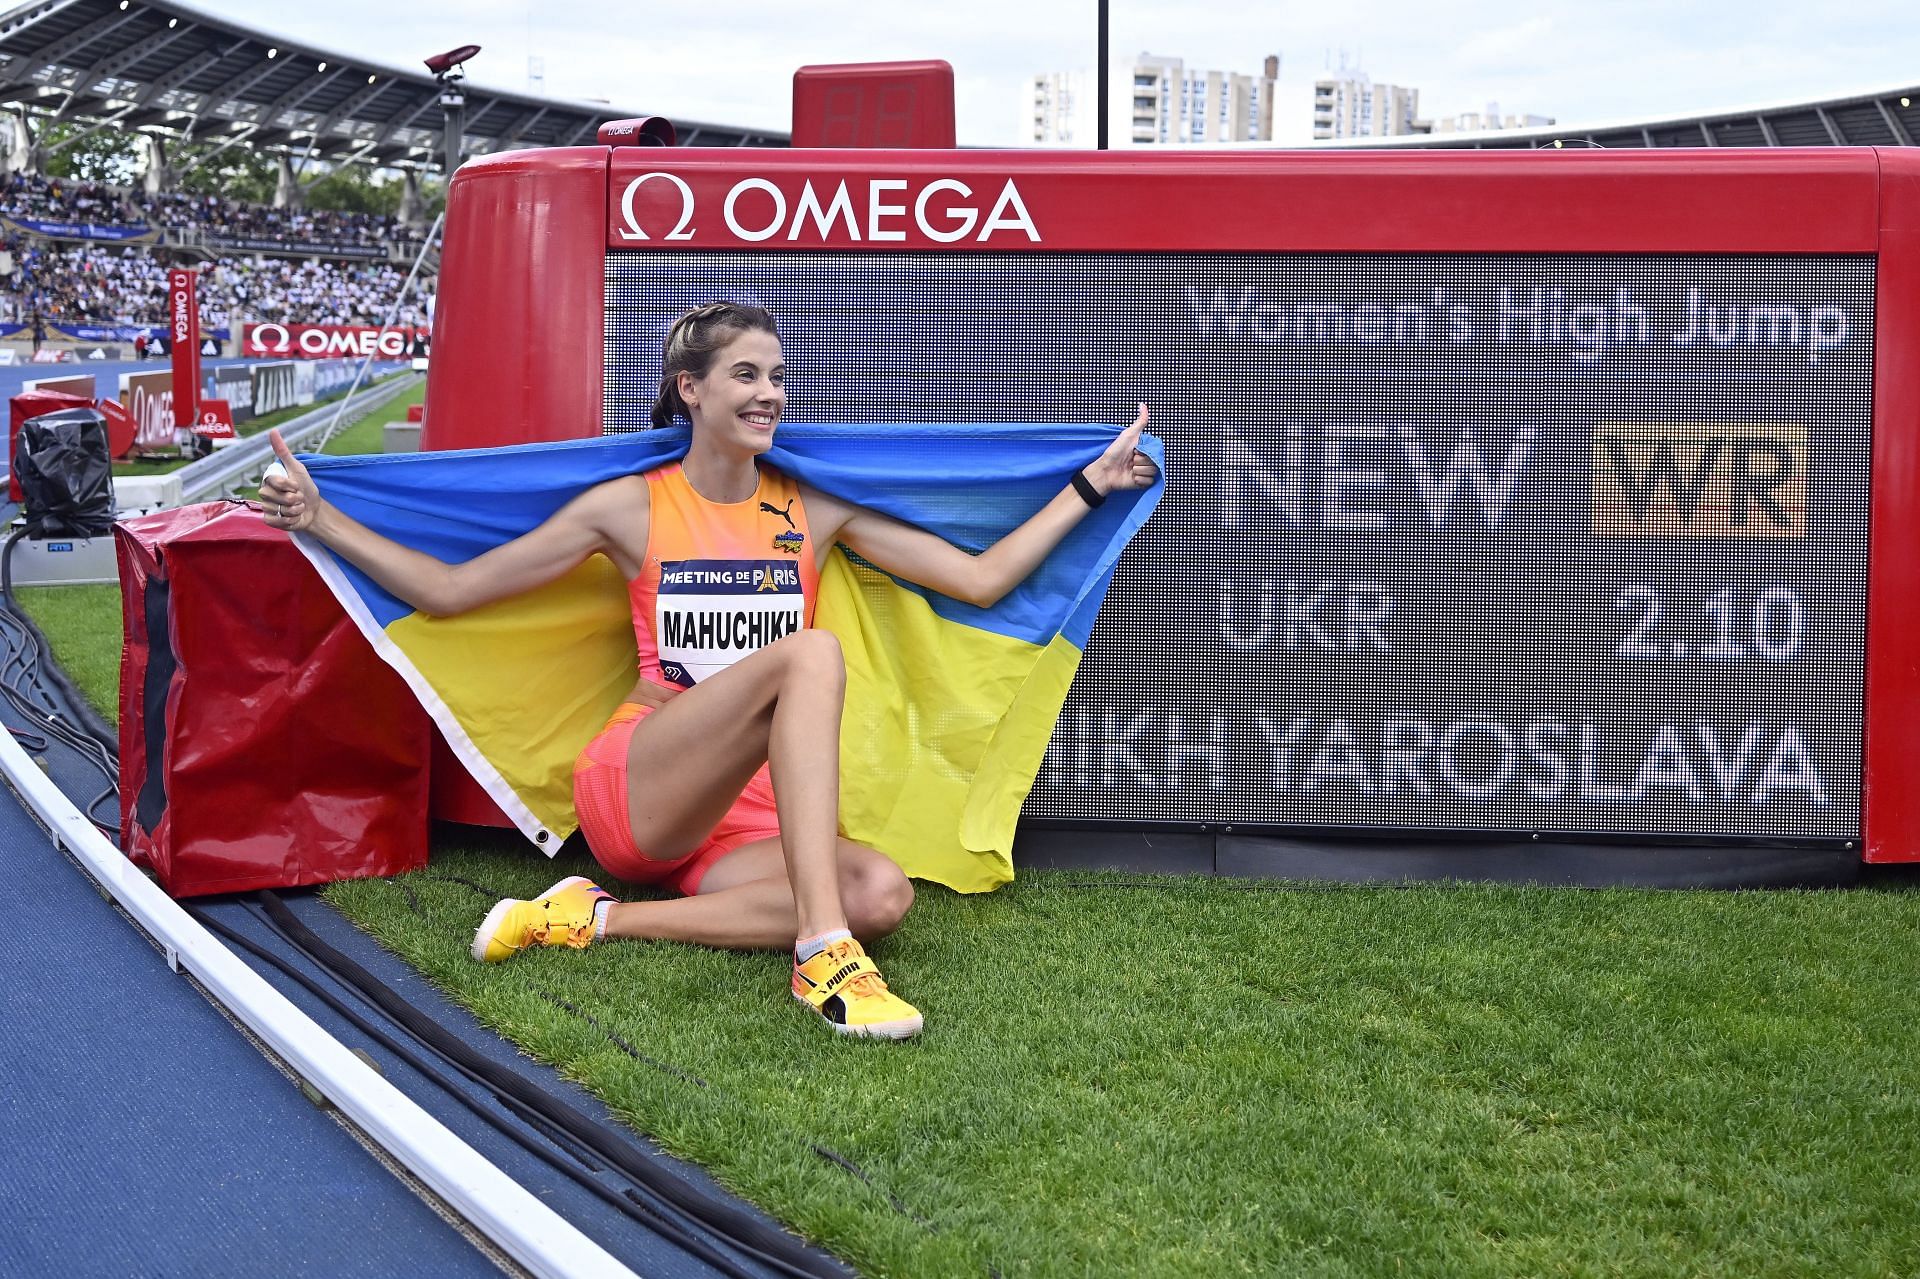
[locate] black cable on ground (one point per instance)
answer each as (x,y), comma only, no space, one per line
(93,739)
(774,1247)
(632,1207)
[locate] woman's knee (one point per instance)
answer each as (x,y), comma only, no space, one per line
(815,656)
(876,895)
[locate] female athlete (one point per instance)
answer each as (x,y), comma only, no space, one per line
(718,778)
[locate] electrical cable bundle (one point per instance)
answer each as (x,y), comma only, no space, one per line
(669,1206)
(40,692)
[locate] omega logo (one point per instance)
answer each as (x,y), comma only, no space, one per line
(757,209)
(632,231)
(275,339)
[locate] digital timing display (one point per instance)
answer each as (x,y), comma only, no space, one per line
(1570,544)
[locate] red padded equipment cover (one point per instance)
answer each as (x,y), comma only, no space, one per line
(263,743)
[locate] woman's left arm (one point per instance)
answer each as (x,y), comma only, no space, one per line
(933,562)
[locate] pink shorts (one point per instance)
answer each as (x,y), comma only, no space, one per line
(600,797)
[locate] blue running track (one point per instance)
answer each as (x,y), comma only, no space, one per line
(146,1135)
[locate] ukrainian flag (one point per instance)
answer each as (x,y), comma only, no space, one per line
(949,707)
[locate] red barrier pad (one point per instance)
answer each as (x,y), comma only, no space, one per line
(455,796)
(263,744)
(121,428)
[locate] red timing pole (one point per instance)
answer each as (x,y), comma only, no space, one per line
(183,324)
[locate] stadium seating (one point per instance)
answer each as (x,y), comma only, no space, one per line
(61,282)
(126,285)
(41,199)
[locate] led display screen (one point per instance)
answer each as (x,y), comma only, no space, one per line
(1529,543)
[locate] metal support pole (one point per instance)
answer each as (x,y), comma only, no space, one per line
(453,106)
(1100,80)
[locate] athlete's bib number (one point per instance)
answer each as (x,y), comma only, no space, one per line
(711,613)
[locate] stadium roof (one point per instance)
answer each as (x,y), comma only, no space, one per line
(161,66)
(1890,118)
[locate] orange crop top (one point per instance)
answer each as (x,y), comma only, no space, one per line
(721,579)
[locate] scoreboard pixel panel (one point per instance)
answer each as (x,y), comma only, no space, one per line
(1512,542)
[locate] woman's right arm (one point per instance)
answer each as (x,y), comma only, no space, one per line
(579,529)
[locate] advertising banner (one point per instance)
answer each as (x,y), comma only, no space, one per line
(234,384)
(127,332)
(273,387)
(83,231)
(303,383)
(215,421)
(80,384)
(328,341)
(333,375)
(183,340)
(257,244)
(148,399)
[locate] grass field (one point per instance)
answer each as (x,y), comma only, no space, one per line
(1198,1078)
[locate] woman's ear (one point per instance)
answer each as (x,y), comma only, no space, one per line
(685,382)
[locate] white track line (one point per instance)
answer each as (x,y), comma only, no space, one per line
(489,1200)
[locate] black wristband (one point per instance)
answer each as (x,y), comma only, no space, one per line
(1084,487)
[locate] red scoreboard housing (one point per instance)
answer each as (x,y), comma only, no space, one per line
(1563,495)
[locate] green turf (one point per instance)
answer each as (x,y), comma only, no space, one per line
(1173,1077)
(369,434)
(1166,1077)
(82,623)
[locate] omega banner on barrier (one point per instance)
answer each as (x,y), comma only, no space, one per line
(1518,495)
(329,341)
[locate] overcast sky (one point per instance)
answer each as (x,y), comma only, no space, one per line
(732,62)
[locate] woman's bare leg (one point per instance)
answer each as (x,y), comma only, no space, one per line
(689,761)
(746,902)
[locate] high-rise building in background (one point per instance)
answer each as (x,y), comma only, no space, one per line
(1351,106)
(1171,104)
(1061,113)
(1490,119)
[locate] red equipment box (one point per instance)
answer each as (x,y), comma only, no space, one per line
(874,104)
(256,753)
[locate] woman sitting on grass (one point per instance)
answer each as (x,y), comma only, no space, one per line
(718,778)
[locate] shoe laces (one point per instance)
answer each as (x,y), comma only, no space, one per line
(546,928)
(867,985)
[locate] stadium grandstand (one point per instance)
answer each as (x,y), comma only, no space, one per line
(86,261)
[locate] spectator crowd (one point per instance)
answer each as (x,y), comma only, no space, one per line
(127,285)
(42,199)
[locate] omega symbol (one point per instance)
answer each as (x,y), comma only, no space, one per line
(632,231)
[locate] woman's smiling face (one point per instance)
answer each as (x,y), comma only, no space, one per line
(740,398)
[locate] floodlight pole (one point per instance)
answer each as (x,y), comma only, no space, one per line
(453,105)
(1100,81)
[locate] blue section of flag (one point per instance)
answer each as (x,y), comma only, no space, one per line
(970,483)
